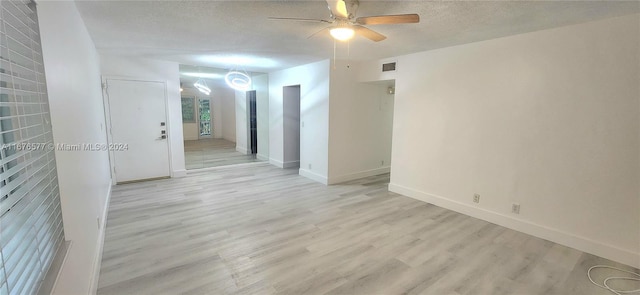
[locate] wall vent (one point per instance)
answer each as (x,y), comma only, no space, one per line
(388,67)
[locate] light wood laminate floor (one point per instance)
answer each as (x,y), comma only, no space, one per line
(213,152)
(265,230)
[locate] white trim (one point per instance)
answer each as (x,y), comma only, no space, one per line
(226,167)
(97,262)
(291,164)
(64,261)
(263,157)
(242,150)
(313,176)
(276,163)
(179,173)
(107,123)
(358,175)
(537,230)
(167,125)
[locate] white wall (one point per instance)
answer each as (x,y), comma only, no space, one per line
(242,138)
(229,116)
(216,115)
(291,126)
(77,115)
(549,120)
(360,124)
(223,111)
(261,86)
(314,115)
(154,70)
(190,131)
(371,71)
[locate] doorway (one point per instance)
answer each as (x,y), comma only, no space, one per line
(252,120)
(138,129)
(291,125)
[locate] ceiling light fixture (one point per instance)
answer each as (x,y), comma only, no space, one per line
(201,85)
(342,33)
(238,80)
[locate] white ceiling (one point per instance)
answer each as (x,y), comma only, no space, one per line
(226,34)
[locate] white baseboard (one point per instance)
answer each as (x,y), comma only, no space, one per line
(64,260)
(358,175)
(179,173)
(262,157)
(281,164)
(97,263)
(291,164)
(276,163)
(313,176)
(227,167)
(580,243)
(242,150)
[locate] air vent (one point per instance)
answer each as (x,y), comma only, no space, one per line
(389,67)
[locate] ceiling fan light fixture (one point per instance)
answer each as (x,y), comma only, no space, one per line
(201,85)
(342,33)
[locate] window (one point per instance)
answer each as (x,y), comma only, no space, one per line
(188,110)
(30,213)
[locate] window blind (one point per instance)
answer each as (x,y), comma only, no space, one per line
(30,215)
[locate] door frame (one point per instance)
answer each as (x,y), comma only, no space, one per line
(107,117)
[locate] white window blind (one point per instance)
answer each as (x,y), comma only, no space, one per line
(30,216)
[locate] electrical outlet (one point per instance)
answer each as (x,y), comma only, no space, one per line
(476,198)
(515,208)
(382,163)
(309,166)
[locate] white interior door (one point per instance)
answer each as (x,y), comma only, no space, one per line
(138,119)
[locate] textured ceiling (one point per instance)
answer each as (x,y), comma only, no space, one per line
(227,34)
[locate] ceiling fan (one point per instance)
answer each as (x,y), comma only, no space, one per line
(345,24)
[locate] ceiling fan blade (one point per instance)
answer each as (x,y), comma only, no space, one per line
(369,34)
(300,19)
(389,19)
(319,32)
(338,8)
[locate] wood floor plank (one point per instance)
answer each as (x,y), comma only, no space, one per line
(213,152)
(265,230)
